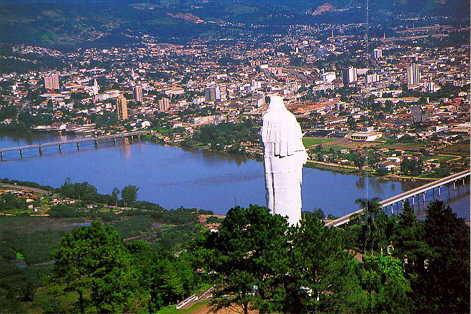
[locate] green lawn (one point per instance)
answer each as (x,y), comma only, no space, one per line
(441,158)
(310,141)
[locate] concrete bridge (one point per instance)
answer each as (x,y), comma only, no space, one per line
(96,141)
(411,196)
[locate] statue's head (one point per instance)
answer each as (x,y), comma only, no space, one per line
(276,103)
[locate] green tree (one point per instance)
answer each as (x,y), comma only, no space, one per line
(94,263)
(445,281)
(16,285)
(248,258)
(129,194)
(351,123)
(115,196)
(323,275)
(412,166)
(408,240)
(386,286)
(10,201)
(373,158)
(357,159)
(375,227)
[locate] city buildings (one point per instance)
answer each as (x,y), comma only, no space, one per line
(372,78)
(189,85)
(418,115)
(365,136)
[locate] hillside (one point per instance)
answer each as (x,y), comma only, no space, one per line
(82,23)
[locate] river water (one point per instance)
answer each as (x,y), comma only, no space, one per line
(174,177)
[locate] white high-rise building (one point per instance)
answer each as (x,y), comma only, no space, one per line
(413,75)
(377,53)
(138,93)
(328,77)
(372,78)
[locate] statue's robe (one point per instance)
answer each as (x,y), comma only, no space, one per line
(284,156)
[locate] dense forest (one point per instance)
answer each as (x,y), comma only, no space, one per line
(375,264)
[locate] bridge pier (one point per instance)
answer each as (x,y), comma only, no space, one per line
(1,156)
(60,148)
(78,146)
(96,143)
(21,153)
(40,150)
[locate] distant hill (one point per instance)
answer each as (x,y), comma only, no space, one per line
(80,23)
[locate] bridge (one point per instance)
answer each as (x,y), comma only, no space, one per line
(419,192)
(96,141)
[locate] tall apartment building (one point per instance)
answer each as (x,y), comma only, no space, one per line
(137,93)
(377,53)
(164,104)
(122,107)
(413,75)
(349,75)
(215,92)
(51,81)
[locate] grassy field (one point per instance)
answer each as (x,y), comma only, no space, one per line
(461,149)
(310,141)
(36,237)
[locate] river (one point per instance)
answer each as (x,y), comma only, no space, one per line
(174,177)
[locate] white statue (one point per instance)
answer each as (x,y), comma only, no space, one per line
(284,156)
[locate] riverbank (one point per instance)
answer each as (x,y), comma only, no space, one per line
(353,170)
(338,168)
